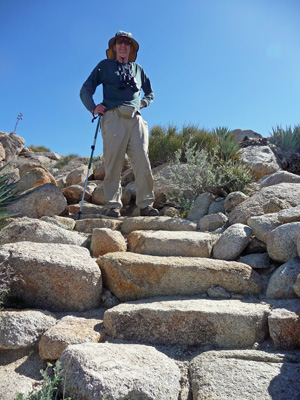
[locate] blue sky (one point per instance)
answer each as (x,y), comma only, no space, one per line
(233,63)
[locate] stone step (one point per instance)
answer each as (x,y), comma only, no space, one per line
(131,276)
(186,321)
(156,223)
(172,243)
(245,375)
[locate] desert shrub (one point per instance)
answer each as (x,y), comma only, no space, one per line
(287,139)
(39,149)
(200,137)
(65,160)
(163,143)
(205,172)
(52,377)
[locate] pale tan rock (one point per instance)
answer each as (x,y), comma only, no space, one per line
(240,134)
(171,243)
(34,178)
(34,230)
(282,280)
(87,209)
(284,325)
(87,225)
(99,172)
(2,152)
(282,242)
(260,159)
(77,175)
(262,225)
(74,193)
(275,205)
(127,177)
(244,375)
(130,276)
(218,323)
(232,242)
(234,199)
(63,222)
(289,192)
(211,222)
(56,277)
(27,166)
(23,328)
(98,195)
(43,200)
(105,240)
(289,215)
(13,144)
(119,371)
(279,177)
(200,207)
(69,330)
(156,223)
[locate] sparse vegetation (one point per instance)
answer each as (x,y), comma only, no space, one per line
(39,149)
(205,171)
(287,139)
(52,377)
(164,142)
(65,160)
(7,194)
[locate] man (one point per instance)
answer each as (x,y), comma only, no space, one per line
(122,126)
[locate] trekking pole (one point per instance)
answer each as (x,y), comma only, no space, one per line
(90,162)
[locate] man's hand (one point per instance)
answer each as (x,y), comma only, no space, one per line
(143,104)
(100,109)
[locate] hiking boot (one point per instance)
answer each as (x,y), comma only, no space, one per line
(149,211)
(113,212)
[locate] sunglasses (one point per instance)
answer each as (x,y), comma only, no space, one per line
(124,41)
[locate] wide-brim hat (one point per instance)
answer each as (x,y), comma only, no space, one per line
(111,54)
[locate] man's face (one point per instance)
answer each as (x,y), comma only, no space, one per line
(122,48)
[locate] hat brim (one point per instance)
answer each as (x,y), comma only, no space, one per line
(111,54)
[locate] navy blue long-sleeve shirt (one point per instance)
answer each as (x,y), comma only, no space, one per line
(107,73)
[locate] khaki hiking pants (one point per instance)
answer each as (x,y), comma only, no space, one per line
(123,135)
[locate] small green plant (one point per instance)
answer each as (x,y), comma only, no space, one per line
(49,390)
(226,147)
(7,194)
(65,160)
(287,139)
(39,149)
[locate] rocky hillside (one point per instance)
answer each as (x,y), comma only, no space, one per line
(160,308)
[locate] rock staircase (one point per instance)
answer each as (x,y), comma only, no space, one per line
(223,339)
(174,293)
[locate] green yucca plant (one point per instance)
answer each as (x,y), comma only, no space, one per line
(7,194)
(226,147)
(287,139)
